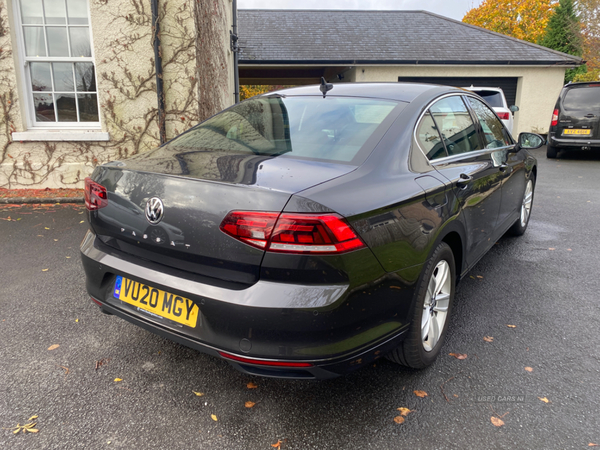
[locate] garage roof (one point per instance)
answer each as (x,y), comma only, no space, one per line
(379,37)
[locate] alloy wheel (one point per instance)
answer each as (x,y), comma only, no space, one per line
(435,307)
(526,205)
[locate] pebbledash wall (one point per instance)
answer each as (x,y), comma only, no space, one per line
(537,87)
(197,73)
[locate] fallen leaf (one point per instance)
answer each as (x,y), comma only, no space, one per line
(551,248)
(569,250)
(395,287)
(399,419)
(405,411)
(251,385)
(82,221)
(32,430)
(31,418)
(529,369)
(53,347)
(46,228)
(277,444)
(591,444)
(458,355)
(511,326)
(199,394)
(118,379)
(497,422)
(213,417)
(249,404)
(544,399)
(488,338)
(479,276)
(44,270)
(420,393)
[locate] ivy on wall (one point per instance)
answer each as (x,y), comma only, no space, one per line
(195,76)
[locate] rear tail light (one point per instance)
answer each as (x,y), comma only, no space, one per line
(253,228)
(95,195)
(504,115)
(262,362)
(554,118)
(292,233)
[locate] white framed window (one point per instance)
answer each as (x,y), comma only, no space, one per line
(59,76)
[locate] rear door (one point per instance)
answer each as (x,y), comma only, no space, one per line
(580,113)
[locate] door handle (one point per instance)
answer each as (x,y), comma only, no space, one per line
(589,116)
(464,180)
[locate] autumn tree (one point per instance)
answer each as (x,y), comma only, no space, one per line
(563,33)
(589,15)
(250,90)
(522,19)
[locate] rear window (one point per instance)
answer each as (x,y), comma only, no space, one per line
(583,97)
(330,129)
(493,98)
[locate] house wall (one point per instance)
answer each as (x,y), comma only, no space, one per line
(537,88)
(124,58)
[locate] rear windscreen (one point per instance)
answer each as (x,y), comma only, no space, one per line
(332,129)
(583,97)
(493,98)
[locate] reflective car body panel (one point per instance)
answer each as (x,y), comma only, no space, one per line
(334,312)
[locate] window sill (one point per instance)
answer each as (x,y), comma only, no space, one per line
(61,136)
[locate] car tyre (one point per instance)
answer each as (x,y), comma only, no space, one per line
(519,227)
(551,151)
(432,311)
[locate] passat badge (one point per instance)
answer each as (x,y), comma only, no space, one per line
(154,210)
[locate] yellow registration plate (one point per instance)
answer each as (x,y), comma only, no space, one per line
(576,131)
(173,307)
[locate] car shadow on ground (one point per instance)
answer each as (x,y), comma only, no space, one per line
(578,155)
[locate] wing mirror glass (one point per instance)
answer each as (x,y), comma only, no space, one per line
(530,141)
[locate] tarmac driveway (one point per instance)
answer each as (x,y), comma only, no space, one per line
(110,384)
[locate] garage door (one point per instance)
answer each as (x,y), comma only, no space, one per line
(507,84)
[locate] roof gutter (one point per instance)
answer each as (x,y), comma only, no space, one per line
(409,62)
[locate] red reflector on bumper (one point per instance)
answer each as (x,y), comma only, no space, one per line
(96,301)
(263,362)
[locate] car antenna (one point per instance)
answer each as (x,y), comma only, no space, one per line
(325,87)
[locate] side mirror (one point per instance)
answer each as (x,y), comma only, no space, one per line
(529,141)
(513,109)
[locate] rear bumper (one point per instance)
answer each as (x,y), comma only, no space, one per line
(336,328)
(580,142)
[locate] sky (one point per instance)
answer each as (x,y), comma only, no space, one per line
(454,9)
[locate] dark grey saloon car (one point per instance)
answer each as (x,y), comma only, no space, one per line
(307,232)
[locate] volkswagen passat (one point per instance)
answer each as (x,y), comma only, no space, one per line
(307,232)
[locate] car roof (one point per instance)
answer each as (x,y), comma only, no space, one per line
(581,83)
(482,88)
(404,92)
